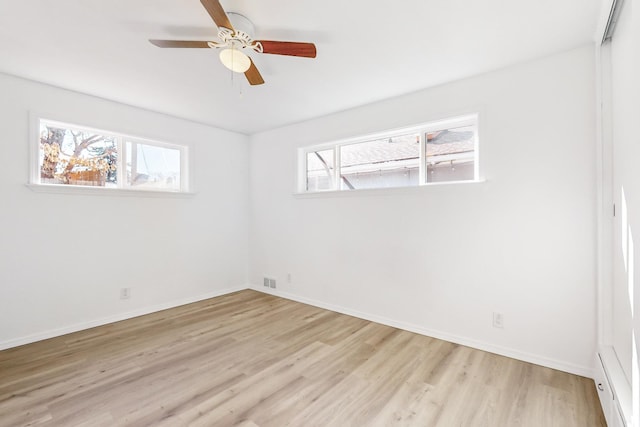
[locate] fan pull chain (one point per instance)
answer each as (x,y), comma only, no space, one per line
(240,92)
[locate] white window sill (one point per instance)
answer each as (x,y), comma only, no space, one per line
(101,191)
(387,191)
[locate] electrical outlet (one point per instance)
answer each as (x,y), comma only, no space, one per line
(272,283)
(498,320)
(288,277)
(266,282)
(125,293)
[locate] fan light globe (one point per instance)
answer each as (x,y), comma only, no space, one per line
(235,60)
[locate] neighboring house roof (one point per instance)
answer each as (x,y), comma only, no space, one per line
(406,147)
(442,145)
(381,150)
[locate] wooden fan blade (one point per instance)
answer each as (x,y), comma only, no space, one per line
(217,13)
(306,50)
(180,43)
(253,75)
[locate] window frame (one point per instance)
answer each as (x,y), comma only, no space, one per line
(305,164)
(471,119)
(122,139)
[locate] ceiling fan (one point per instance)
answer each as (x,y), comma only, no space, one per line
(236,37)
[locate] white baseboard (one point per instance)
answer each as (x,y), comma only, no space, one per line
(480,345)
(15,342)
(585,371)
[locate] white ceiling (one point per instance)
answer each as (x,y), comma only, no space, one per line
(367,50)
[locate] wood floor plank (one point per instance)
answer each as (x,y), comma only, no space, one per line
(255,360)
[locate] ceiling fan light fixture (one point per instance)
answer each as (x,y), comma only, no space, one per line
(235,60)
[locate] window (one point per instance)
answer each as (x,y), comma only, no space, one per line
(320,170)
(385,162)
(444,151)
(451,154)
(70,155)
(152,167)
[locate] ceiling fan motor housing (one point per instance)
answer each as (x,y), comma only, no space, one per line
(240,37)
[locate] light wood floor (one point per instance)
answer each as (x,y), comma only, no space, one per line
(252,359)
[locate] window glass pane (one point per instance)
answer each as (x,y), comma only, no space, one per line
(152,166)
(450,154)
(320,170)
(76,157)
(387,162)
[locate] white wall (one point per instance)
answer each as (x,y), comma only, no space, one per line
(437,260)
(441,260)
(64,257)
